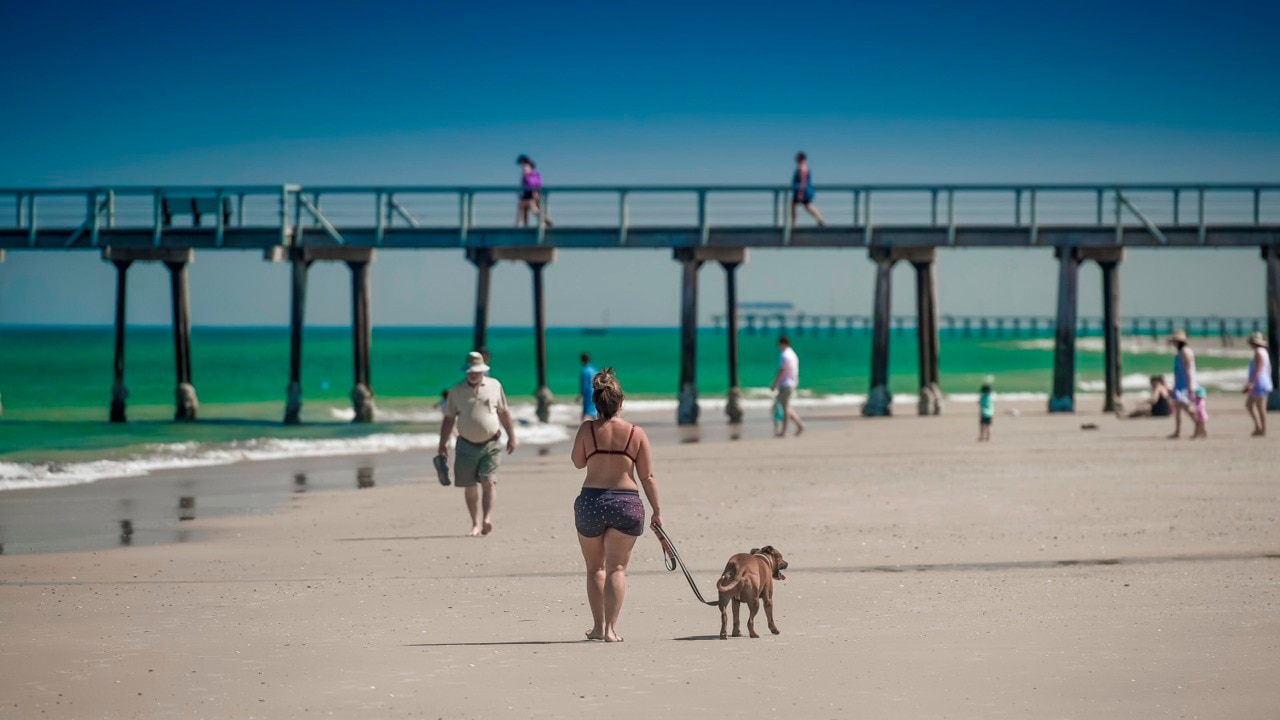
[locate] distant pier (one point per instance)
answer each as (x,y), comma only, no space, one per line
(303,225)
(1226,329)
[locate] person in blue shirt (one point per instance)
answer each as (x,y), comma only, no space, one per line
(986,411)
(802,191)
(584,388)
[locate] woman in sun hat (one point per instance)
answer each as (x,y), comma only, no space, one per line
(1184,380)
(1259,385)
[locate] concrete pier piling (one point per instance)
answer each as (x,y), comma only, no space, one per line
(361,339)
(879,401)
(119,393)
(927,330)
(733,404)
(687,407)
(543,393)
(187,406)
(1108,260)
(1064,352)
(299,265)
(482,258)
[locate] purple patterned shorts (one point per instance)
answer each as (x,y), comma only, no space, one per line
(597,510)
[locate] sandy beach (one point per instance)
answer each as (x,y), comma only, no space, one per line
(1054,573)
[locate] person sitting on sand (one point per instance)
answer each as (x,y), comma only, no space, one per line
(1259,384)
(608,513)
(1159,404)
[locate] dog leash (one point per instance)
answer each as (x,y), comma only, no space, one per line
(672,559)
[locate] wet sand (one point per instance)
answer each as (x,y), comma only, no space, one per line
(1052,573)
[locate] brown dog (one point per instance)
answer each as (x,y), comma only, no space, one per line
(748,578)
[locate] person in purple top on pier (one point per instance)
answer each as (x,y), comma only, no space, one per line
(530,193)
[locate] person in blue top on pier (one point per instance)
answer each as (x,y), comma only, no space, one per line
(530,193)
(585,390)
(802,190)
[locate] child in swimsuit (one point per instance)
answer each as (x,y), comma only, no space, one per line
(1201,414)
(986,412)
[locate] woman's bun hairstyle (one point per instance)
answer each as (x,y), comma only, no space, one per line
(606,393)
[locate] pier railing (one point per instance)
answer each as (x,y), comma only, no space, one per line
(639,216)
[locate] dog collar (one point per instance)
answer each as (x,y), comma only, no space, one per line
(766,557)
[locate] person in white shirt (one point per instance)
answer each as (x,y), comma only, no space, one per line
(785,382)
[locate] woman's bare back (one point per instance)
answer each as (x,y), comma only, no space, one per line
(614,452)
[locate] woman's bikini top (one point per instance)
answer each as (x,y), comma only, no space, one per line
(596,444)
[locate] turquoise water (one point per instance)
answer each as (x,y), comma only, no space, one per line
(55,381)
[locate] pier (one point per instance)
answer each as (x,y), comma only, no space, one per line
(1080,224)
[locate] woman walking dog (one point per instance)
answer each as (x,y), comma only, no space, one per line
(608,513)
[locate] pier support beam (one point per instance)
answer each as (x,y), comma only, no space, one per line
(483,259)
(1272,257)
(1109,260)
(927,328)
(1064,354)
(297,317)
(537,258)
(176,260)
(687,401)
(185,393)
(879,400)
(119,393)
(361,339)
(543,394)
(733,404)
(357,260)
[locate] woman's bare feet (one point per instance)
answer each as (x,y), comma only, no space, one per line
(475,531)
(486,527)
(594,634)
(613,637)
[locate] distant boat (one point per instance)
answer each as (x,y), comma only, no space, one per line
(602,329)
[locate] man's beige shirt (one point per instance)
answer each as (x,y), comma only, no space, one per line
(476,409)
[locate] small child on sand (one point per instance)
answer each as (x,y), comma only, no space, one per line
(986,411)
(1201,414)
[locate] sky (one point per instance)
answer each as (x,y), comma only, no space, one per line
(612,93)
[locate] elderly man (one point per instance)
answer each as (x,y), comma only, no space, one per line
(478,407)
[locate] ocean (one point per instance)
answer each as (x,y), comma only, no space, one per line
(55,385)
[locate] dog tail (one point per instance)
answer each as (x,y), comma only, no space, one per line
(729,579)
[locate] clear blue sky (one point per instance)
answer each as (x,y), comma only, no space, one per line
(449,93)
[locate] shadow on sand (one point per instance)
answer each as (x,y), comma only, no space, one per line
(507,642)
(404,537)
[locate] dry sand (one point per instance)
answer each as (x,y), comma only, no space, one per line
(1054,573)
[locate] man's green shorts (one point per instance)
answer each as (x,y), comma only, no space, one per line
(474,463)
